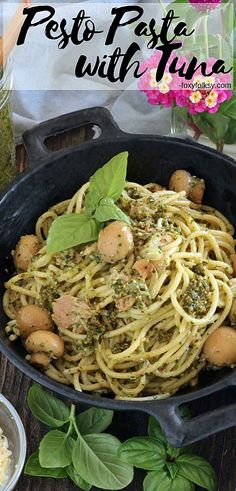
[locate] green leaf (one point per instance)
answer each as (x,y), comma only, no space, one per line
(229,104)
(197,470)
(33,468)
(92,199)
(214,126)
(228,108)
(94,420)
(107,210)
(155,431)
(230,136)
(143,452)
(71,230)
(55,449)
(108,181)
(95,459)
(77,479)
(172,468)
(160,481)
(48,409)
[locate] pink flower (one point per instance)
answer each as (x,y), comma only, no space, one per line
(205,5)
(205,93)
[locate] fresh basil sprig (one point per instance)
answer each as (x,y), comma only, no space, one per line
(76,447)
(170,468)
(105,187)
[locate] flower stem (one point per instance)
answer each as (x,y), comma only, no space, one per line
(163,6)
(220,145)
(220,45)
(205,19)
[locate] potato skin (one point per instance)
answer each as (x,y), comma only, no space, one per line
(45,342)
(26,248)
(180,181)
(42,360)
(115,242)
(197,190)
(220,348)
(32,318)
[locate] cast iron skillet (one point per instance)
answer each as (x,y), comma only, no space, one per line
(54,176)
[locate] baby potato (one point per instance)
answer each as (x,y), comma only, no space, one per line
(26,248)
(115,242)
(45,342)
(220,348)
(180,181)
(42,360)
(197,190)
(32,318)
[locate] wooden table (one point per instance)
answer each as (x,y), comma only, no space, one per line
(220,449)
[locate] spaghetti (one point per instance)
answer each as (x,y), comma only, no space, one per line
(151,313)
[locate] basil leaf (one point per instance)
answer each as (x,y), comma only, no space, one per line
(92,199)
(107,210)
(160,481)
(33,468)
(108,181)
(172,469)
(143,452)
(197,470)
(71,230)
(155,431)
(77,479)
(55,449)
(48,409)
(95,459)
(94,420)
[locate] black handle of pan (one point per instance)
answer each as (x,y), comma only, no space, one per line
(34,139)
(181,432)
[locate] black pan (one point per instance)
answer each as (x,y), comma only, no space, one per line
(54,176)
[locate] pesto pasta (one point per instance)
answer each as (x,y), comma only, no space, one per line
(138,325)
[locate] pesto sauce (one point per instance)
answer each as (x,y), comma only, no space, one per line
(7,146)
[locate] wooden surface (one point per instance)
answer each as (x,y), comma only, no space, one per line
(220,449)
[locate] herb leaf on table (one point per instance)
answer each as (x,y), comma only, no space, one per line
(171,469)
(47,408)
(55,449)
(80,451)
(144,453)
(95,458)
(94,420)
(77,479)
(33,468)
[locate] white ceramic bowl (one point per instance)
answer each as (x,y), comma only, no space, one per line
(13,429)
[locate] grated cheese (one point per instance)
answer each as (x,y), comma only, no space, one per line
(5,460)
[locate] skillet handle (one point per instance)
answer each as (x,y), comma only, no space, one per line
(34,139)
(181,432)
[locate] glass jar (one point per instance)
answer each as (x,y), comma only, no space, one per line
(7,141)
